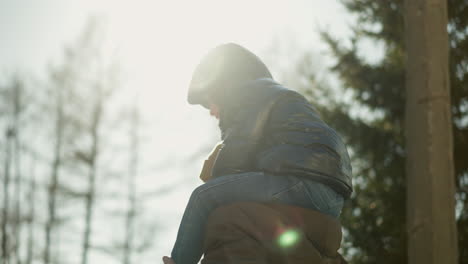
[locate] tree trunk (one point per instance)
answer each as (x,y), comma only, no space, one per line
(130,217)
(18,182)
(6,198)
(17,109)
(32,197)
(54,177)
(89,215)
(92,162)
(432,236)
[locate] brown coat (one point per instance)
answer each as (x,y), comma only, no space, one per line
(248,233)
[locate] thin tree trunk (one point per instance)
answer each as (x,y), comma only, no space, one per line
(54,179)
(89,214)
(6,198)
(129,223)
(90,197)
(18,181)
(17,105)
(432,235)
(133,171)
(32,197)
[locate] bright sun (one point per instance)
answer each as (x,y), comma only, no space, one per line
(160,42)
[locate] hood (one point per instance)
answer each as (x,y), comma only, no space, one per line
(221,72)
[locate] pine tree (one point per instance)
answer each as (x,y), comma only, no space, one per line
(375,219)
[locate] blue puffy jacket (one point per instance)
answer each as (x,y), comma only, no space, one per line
(276,130)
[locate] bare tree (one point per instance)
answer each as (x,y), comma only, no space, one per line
(77,117)
(432,235)
(14,108)
(97,90)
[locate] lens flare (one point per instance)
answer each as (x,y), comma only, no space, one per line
(288,238)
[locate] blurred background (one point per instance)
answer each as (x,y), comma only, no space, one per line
(99,149)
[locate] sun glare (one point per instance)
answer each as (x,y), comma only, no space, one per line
(289,238)
(160,42)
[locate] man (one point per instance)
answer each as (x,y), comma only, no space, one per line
(275,147)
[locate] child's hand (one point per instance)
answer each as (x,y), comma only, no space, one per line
(168,260)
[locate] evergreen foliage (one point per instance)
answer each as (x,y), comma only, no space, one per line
(375,218)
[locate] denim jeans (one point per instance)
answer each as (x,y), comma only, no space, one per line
(250,186)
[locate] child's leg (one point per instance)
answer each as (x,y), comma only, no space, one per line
(251,186)
(313,195)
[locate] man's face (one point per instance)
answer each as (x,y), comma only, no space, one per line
(214,110)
